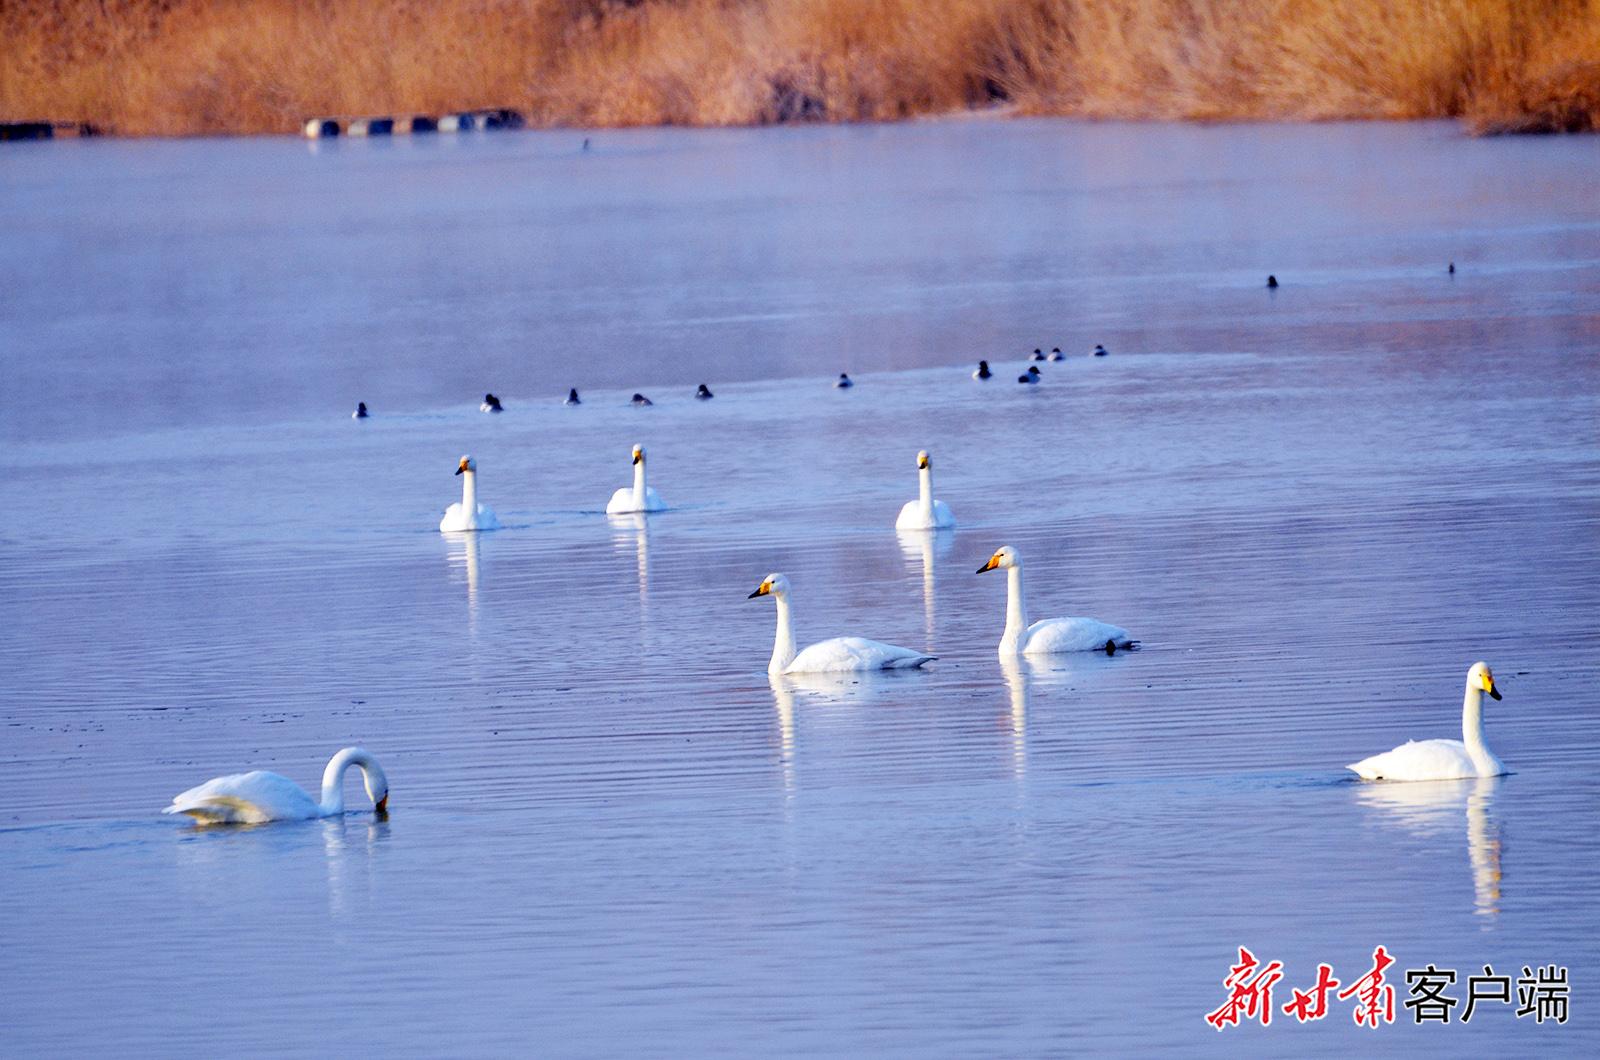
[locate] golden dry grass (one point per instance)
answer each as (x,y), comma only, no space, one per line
(174,67)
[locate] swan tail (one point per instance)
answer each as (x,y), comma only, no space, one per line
(916,662)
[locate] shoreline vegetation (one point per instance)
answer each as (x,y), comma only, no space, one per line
(190,67)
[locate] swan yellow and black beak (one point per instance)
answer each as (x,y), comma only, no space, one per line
(1488,684)
(994,562)
(461,467)
(382,805)
(638,456)
(761,590)
(923,463)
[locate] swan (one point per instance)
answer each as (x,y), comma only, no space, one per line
(361,411)
(925,513)
(704,393)
(640,498)
(1443,759)
(641,401)
(254,798)
(572,397)
(490,404)
(468,514)
(844,382)
(1048,636)
(983,371)
(829,656)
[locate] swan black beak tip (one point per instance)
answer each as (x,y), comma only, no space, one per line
(458,470)
(755,594)
(1494,693)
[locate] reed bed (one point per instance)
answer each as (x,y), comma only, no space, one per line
(179,67)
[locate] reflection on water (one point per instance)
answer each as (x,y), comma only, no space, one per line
(1428,808)
(783,700)
(349,844)
(630,532)
(1017,686)
(924,547)
(975,859)
(463,558)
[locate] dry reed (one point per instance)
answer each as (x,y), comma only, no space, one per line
(175,67)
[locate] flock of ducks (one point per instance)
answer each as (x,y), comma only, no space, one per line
(258,797)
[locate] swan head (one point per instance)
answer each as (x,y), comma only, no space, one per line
(1004,558)
(771,585)
(377,785)
(923,463)
(638,454)
(466,464)
(1480,677)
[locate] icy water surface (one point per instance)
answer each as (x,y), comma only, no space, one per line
(609,831)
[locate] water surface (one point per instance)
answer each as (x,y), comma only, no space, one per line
(610,831)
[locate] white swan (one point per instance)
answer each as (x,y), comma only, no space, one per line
(468,514)
(1443,759)
(925,513)
(640,498)
(1048,636)
(828,656)
(254,798)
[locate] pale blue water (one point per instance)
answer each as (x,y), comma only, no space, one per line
(609,832)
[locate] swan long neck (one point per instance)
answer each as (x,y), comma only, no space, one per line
(469,491)
(638,485)
(925,489)
(1472,728)
(1016,613)
(783,650)
(333,776)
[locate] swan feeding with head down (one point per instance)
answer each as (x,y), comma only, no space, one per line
(640,498)
(1048,636)
(1443,759)
(829,656)
(258,797)
(467,513)
(925,513)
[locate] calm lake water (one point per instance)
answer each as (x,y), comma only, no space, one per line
(609,832)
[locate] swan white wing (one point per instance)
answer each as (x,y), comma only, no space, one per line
(457,518)
(246,798)
(854,653)
(621,502)
(1054,636)
(653,501)
(1419,760)
(912,518)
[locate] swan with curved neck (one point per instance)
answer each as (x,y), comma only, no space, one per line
(829,656)
(468,514)
(925,513)
(1048,636)
(641,498)
(1443,759)
(258,797)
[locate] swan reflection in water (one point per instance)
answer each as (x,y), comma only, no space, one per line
(463,555)
(822,689)
(633,529)
(1433,808)
(1017,675)
(924,546)
(349,845)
